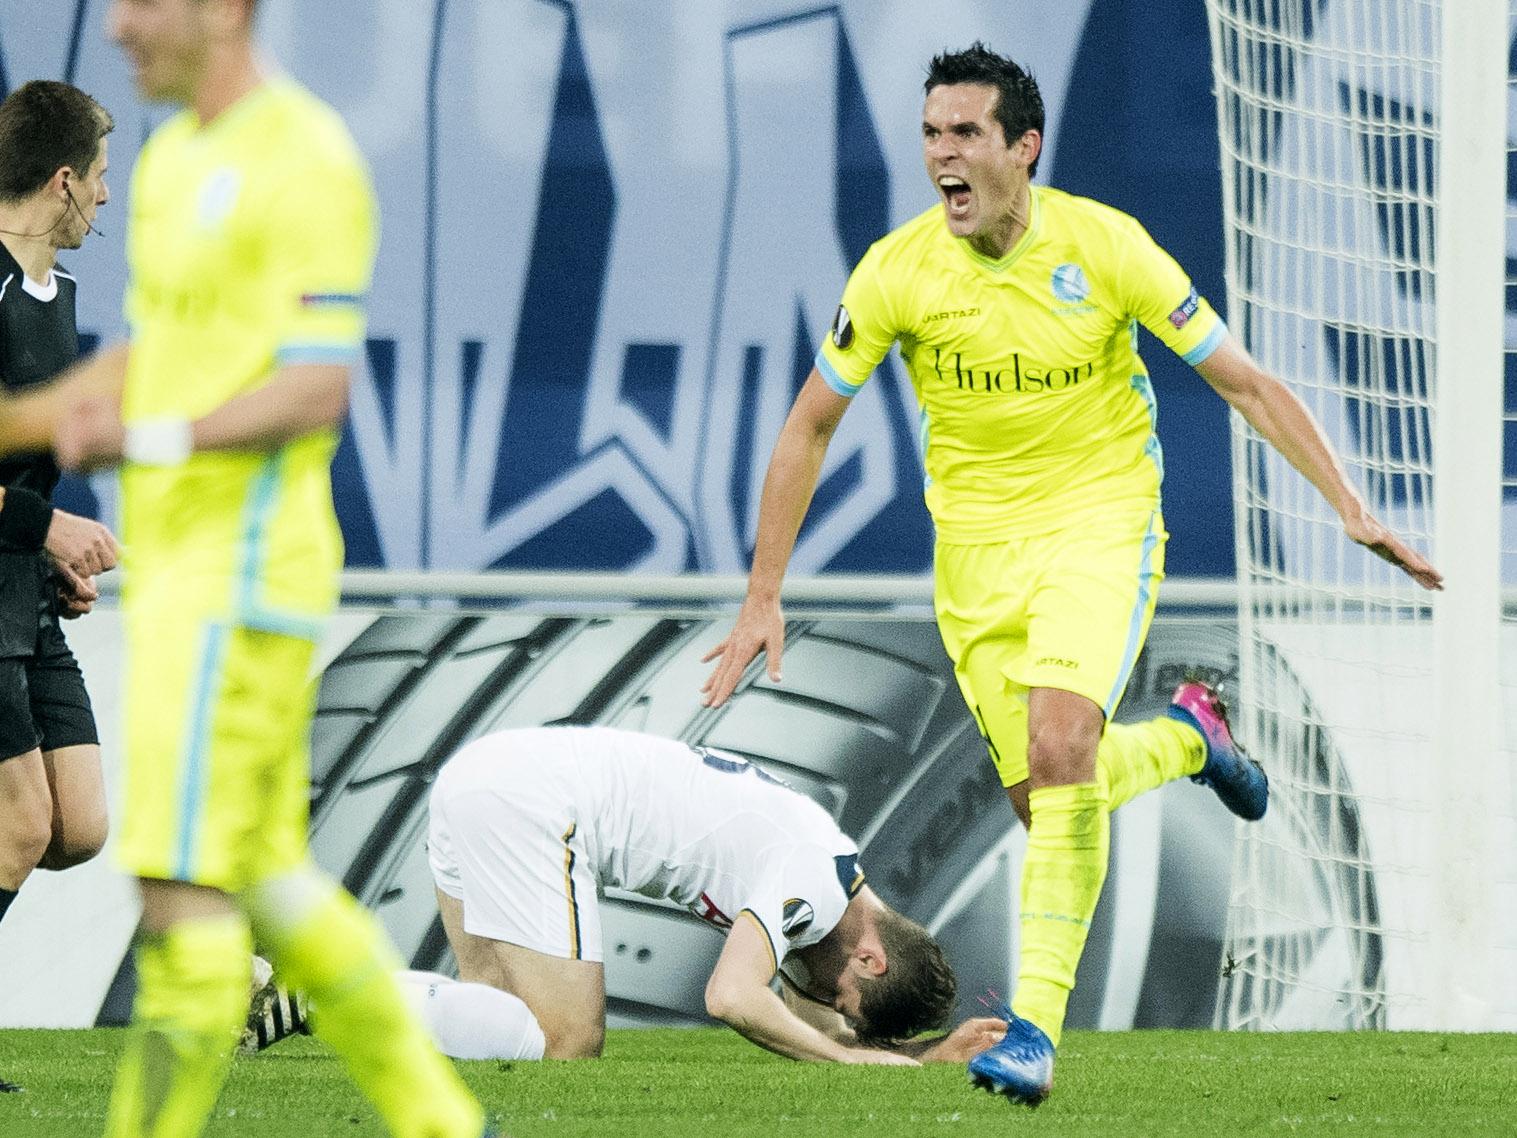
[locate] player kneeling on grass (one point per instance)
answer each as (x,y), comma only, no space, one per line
(527,825)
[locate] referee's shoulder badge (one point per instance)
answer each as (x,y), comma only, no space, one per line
(842,329)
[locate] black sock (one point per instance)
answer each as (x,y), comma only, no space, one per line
(6,897)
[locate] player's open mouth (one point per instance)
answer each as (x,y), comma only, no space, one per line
(956,194)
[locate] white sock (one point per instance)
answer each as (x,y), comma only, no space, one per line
(473,1021)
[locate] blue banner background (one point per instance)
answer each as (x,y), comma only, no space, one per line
(614,233)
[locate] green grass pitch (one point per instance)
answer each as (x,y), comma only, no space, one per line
(711,1084)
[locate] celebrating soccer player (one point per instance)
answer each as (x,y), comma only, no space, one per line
(1016,307)
(52,797)
(252,230)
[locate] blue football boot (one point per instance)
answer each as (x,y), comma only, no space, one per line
(1019,1067)
(1236,779)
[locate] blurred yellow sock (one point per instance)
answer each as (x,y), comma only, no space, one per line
(1137,757)
(192,1000)
(327,945)
(1067,847)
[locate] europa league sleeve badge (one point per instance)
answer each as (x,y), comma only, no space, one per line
(842,329)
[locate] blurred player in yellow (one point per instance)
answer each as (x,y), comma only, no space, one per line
(252,232)
(1016,308)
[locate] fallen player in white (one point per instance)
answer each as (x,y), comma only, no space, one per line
(527,825)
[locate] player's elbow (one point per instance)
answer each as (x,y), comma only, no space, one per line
(319,398)
(1242,383)
(1254,402)
(332,408)
(78,844)
(723,999)
(717,1004)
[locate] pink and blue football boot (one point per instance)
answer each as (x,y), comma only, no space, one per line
(1235,778)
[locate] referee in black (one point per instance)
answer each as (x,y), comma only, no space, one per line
(52,796)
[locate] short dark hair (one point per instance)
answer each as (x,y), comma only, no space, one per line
(916,991)
(1020,105)
(44,126)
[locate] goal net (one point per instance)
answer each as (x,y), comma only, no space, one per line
(1378,890)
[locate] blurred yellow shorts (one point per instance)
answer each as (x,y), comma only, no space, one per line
(217,750)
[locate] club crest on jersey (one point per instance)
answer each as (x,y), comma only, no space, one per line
(797,918)
(1070,284)
(1180,317)
(842,329)
(217,197)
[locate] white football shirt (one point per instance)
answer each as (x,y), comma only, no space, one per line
(657,817)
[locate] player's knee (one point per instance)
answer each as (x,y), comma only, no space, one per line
(1020,804)
(1058,756)
(574,1040)
(80,841)
(26,829)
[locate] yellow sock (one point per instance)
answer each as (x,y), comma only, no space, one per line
(1067,846)
(192,1000)
(326,944)
(1137,757)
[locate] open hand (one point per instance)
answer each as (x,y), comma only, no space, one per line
(77,594)
(760,627)
(84,545)
(966,1041)
(1368,531)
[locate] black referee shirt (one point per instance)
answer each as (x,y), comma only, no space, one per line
(39,337)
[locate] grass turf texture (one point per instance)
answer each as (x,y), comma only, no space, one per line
(709,1082)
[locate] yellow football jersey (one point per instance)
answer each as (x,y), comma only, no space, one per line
(1035,405)
(251,245)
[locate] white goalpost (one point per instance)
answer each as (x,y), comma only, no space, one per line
(1364,159)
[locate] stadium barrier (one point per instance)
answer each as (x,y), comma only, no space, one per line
(868,722)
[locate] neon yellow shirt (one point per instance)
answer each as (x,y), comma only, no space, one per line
(1035,405)
(251,245)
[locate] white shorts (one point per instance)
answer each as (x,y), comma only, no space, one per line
(516,863)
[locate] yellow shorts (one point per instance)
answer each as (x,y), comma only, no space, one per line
(217,751)
(1067,611)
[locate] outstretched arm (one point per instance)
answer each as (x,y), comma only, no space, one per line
(794,469)
(961,1044)
(1282,419)
(957,1046)
(819,1015)
(738,993)
(29,422)
(298,399)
